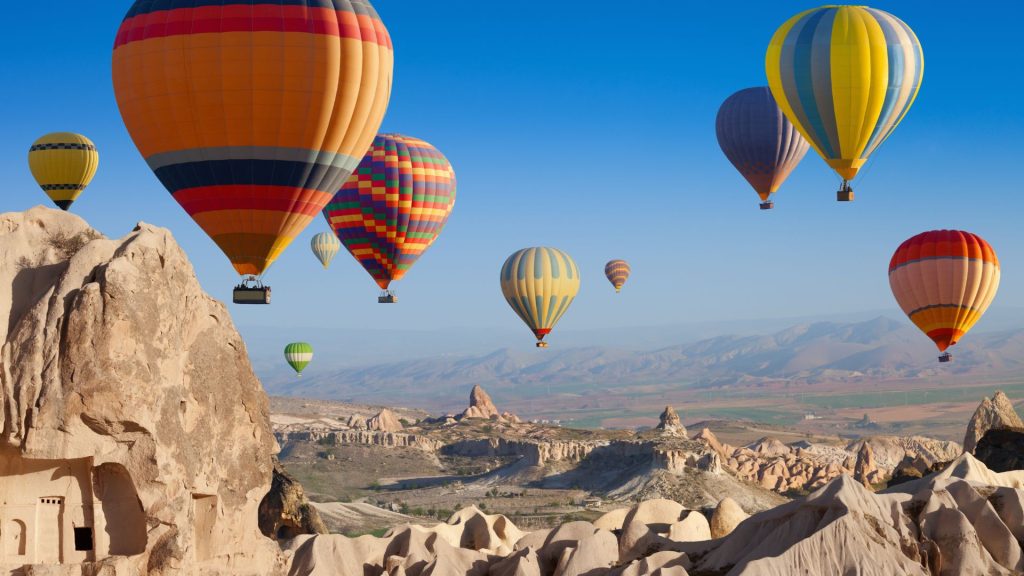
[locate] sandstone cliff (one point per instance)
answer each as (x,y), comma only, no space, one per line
(132,423)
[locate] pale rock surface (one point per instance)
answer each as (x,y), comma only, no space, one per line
(665,563)
(866,472)
(118,370)
(645,526)
(612,520)
(995,413)
(591,554)
(693,528)
(670,423)
(384,421)
(521,563)
(727,516)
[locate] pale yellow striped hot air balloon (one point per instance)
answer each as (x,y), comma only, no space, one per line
(325,246)
(540,284)
(63,164)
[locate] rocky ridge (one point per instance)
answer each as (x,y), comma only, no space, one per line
(964,520)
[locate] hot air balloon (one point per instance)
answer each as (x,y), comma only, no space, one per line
(617,272)
(845,76)
(759,140)
(325,247)
(393,207)
(252,114)
(63,164)
(944,281)
(298,355)
(540,284)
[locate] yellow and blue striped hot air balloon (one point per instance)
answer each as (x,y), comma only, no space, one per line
(617,272)
(540,284)
(845,76)
(325,246)
(252,114)
(63,164)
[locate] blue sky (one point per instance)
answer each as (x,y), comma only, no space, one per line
(590,128)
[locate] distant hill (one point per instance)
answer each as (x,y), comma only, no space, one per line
(881,348)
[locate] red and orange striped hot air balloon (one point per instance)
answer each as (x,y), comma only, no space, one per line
(944,280)
(252,114)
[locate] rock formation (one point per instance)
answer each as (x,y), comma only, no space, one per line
(285,511)
(726,517)
(384,421)
(1002,449)
(995,413)
(866,472)
(964,520)
(670,423)
(132,423)
(480,405)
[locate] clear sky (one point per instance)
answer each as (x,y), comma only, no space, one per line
(588,126)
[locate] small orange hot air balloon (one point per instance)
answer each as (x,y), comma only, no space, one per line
(944,280)
(617,272)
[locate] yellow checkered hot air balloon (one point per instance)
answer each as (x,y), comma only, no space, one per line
(540,284)
(845,76)
(63,163)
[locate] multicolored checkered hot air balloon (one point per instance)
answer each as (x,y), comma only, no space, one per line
(540,284)
(759,140)
(393,207)
(252,114)
(325,246)
(617,272)
(63,164)
(845,76)
(298,355)
(944,280)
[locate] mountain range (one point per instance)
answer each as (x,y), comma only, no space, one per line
(876,349)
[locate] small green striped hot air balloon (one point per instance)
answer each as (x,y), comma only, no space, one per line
(298,355)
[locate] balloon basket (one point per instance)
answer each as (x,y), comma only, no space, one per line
(542,344)
(768,205)
(251,291)
(845,193)
(947,357)
(387,297)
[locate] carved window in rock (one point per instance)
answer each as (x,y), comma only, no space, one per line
(14,536)
(83,539)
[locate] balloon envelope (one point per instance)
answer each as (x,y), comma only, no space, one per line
(63,164)
(298,355)
(845,76)
(758,139)
(325,246)
(944,280)
(617,272)
(540,284)
(252,114)
(394,206)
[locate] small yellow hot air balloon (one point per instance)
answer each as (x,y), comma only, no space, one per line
(540,284)
(63,164)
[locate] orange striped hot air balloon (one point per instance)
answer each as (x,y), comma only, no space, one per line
(252,114)
(944,280)
(617,272)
